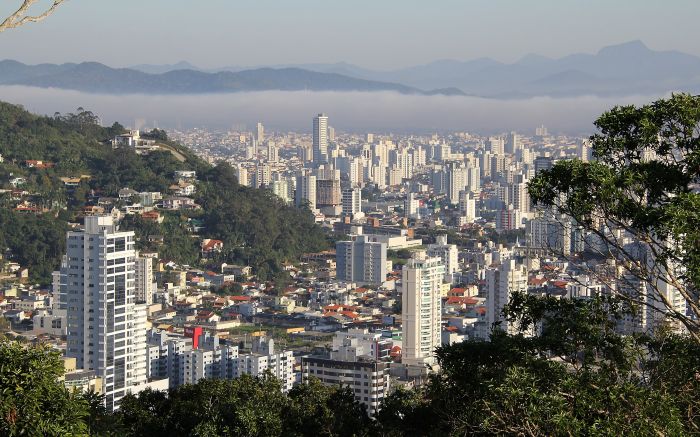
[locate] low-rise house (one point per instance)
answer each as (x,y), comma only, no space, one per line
(219,279)
(17,181)
(205,316)
(185,174)
(238,271)
(179,202)
(70,182)
(183,188)
(125,194)
(33,163)
(210,246)
(93,210)
(153,216)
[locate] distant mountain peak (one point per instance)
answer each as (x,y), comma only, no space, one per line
(631,47)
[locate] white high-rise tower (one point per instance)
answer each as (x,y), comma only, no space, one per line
(421,311)
(320,139)
(106,328)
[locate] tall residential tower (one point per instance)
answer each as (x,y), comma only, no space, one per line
(106,327)
(421,308)
(320,139)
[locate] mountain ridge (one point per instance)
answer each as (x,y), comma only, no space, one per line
(620,69)
(94,77)
(629,68)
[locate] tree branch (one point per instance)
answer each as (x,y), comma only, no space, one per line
(21,17)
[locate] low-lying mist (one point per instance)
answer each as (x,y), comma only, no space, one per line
(380,112)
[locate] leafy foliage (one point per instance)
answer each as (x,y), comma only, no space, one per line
(257,227)
(245,406)
(576,376)
(642,182)
(37,242)
(32,400)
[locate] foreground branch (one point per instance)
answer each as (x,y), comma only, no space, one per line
(21,17)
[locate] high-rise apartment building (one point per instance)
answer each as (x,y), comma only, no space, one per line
(328,192)
(242,175)
(272,152)
(320,139)
(496,145)
(306,189)
(421,312)
(541,131)
(360,260)
(260,133)
(353,363)
(513,144)
(106,325)
(411,206)
(449,255)
(502,282)
(467,205)
(352,201)
(456,181)
(145,285)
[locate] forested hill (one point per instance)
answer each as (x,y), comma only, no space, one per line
(257,228)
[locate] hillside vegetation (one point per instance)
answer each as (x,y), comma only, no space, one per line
(257,228)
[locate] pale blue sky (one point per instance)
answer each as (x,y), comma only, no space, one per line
(379,34)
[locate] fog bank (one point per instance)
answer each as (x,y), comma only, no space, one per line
(348,111)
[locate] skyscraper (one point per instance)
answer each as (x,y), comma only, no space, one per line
(467,206)
(512,145)
(320,139)
(456,181)
(260,133)
(421,311)
(106,327)
(328,192)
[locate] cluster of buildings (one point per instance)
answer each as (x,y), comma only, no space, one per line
(438,233)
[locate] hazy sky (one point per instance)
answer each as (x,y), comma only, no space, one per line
(379,34)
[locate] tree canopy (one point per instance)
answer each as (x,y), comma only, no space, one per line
(643,182)
(575,376)
(32,399)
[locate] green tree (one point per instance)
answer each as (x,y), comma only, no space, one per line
(647,160)
(319,410)
(32,399)
(575,376)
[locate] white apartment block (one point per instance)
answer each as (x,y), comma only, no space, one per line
(263,359)
(352,201)
(351,364)
(306,190)
(361,260)
(218,362)
(421,279)
(449,255)
(502,282)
